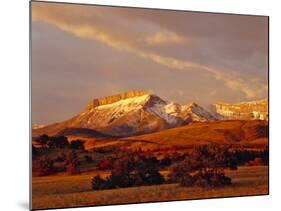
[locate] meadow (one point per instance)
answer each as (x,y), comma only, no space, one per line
(72,191)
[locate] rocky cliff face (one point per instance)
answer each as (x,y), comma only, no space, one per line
(114,98)
(244,110)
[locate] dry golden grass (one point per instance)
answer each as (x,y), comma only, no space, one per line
(72,191)
(223,132)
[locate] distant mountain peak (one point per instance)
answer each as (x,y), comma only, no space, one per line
(193,104)
(244,110)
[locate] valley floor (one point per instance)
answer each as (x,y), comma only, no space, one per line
(73,191)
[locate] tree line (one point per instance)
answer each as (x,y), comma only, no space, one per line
(58,142)
(204,166)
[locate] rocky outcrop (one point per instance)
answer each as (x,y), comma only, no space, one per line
(114,98)
(244,110)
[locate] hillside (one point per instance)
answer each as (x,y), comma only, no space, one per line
(237,132)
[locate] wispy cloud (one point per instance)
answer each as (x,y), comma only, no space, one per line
(73,20)
(165,38)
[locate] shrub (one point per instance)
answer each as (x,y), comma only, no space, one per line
(116,180)
(256,162)
(61,157)
(104,165)
(180,172)
(246,157)
(265,156)
(72,164)
(58,142)
(203,167)
(176,157)
(88,159)
(165,162)
(131,170)
(99,184)
(77,144)
(34,151)
(43,139)
(211,178)
(147,170)
(230,160)
(44,166)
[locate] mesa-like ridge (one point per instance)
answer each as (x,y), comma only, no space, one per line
(114,98)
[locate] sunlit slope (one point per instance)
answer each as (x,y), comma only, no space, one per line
(224,132)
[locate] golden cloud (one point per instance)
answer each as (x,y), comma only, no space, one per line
(165,38)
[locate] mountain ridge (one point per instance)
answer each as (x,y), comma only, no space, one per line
(139,112)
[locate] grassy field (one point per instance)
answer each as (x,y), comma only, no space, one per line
(71,191)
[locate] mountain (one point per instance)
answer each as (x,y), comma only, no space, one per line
(243,110)
(130,113)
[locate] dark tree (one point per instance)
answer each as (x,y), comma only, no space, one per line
(230,160)
(165,162)
(34,151)
(100,184)
(58,142)
(265,156)
(88,158)
(203,167)
(131,170)
(147,170)
(61,157)
(43,140)
(44,166)
(105,165)
(72,163)
(244,157)
(77,144)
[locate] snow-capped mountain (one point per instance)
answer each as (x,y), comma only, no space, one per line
(131,113)
(244,110)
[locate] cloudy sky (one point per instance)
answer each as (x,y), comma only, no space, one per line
(81,52)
